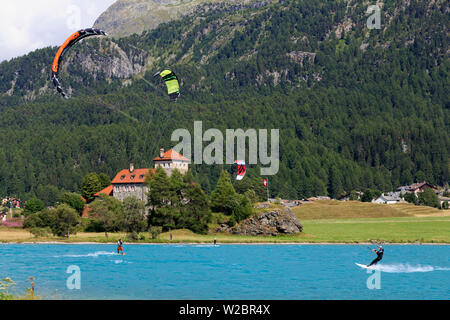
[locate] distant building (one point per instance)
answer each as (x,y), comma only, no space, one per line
(129,182)
(415,187)
(11,202)
(443,199)
(171,160)
(132,182)
(388,199)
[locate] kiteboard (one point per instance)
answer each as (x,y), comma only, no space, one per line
(363,266)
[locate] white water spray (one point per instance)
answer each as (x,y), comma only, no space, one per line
(406,268)
(95,254)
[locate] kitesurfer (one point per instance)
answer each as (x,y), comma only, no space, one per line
(120,246)
(379,253)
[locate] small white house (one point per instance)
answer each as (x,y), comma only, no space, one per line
(384,199)
(443,199)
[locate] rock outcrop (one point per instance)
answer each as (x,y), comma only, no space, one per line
(271,223)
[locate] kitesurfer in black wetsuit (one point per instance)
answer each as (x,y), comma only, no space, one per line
(379,253)
(120,246)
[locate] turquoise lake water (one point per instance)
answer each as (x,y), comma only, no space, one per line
(288,272)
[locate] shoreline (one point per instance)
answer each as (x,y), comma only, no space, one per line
(233,243)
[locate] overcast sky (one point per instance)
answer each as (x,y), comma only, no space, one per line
(26,25)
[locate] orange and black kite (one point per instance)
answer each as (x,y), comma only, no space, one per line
(74,38)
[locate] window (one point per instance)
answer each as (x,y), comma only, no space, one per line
(122,177)
(132,177)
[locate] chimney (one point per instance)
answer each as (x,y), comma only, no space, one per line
(161,153)
(131,167)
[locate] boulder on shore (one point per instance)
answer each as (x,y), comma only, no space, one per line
(270,223)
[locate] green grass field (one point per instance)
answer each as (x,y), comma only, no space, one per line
(323,222)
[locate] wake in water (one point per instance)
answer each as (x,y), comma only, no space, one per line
(95,255)
(406,268)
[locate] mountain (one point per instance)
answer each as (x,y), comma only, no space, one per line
(125,17)
(356,108)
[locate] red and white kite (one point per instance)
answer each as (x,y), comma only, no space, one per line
(241,167)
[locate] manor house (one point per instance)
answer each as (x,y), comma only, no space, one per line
(131,181)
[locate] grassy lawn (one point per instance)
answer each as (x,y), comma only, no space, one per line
(332,209)
(409,229)
(323,221)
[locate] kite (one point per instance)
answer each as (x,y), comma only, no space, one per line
(171,80)
(240,169)
(74,38)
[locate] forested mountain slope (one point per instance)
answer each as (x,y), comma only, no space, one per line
(356,108)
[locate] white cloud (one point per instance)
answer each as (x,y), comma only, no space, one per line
(27,25)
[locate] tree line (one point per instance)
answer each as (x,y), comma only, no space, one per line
(173,202)
(370,111)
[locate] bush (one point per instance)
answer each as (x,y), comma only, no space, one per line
(251,195)
(72,199)
(410,197)
(32,206)
(134,213)
(136,236)
(62,220)
(40,232)
(108,214)
(243,210)
(428,198)
(367,196)
(353,195)
(232,221)
(218,218)
(92,225)
(5,285)
(155,231)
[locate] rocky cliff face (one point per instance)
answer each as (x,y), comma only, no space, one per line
(270,223)
(126,17)
(95,59)
(113,61)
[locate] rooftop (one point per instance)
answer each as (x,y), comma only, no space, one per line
(108,190)
(171,155)
(134,176)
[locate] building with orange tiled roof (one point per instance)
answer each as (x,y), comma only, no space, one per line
(171,160)
(108,191)
(131,182)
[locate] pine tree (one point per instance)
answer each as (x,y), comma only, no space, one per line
(161,196)
(223,197)
(195,213)
(91,185)
(104,180)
